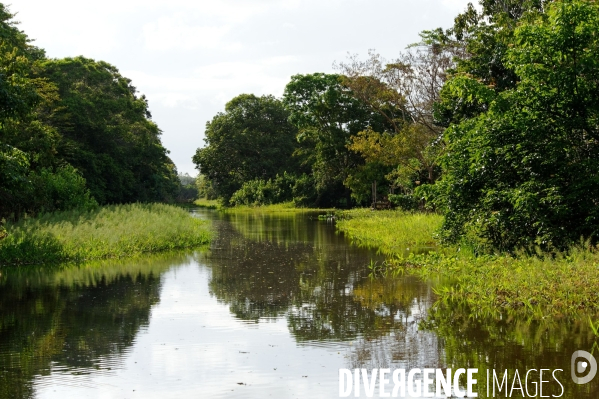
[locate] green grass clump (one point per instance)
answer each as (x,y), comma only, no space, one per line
(284,207)
(537,285)
(390,231)
(108,232)
(206,203)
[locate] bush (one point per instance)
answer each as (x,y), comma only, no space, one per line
(304,191)
(524,172)
(404,202)
(265,192)
(62,190)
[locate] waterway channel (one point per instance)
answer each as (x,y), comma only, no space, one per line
(274,308)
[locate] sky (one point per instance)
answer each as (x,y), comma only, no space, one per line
(190,57)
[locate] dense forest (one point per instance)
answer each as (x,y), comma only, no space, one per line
(493,122)
(74,133)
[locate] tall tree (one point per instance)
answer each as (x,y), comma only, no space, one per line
(32,178)
(107,132)
(327,116)
(523,169)
(251,140)
(404,92)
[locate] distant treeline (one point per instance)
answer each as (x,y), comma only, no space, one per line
(74,133)
(493,122)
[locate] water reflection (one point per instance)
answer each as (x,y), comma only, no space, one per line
(297,267)
(72,318)
(276,307)
(514,343)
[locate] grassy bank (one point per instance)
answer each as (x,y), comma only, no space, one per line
(206,203)
(540,285)
(285,207)
(108,232)
(392,232)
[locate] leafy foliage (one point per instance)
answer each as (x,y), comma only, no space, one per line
(261,192)
(251,140)
(73,132)
(327,116)
(524,172)
(107,133)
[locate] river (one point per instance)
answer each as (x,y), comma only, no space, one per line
(274,308)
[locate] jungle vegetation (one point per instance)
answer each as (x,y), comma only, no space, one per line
(492,123)
(74,133)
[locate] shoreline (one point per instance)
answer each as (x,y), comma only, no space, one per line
(490,285)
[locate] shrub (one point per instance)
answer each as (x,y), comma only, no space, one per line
(404,201)
(264,192)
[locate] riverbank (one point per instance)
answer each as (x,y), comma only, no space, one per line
(392,232)
(540,285)
(284,207)
(114,231)
(206,203)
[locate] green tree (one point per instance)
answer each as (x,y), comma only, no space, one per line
(403,93)
(524,171)
(251,140)
(327,116)
(32,178)
(107,133)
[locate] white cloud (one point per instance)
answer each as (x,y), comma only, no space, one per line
(219,82)
(174,33)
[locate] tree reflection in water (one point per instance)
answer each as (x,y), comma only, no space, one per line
(266,267)
(269,267)
(84,319)
(72,318)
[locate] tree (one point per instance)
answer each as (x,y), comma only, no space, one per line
(251,140)
(107,133)
(31,177)
(403,92)
(328,116)
(523,170)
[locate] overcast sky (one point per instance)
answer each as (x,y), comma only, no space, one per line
(190,57)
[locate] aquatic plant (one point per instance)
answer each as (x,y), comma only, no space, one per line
(536,285)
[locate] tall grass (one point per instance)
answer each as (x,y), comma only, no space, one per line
(283,207)
(206,203)
(107,232)
(390,231)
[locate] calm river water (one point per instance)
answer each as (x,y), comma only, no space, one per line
(275,307)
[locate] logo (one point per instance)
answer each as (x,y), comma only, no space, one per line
(578,366)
